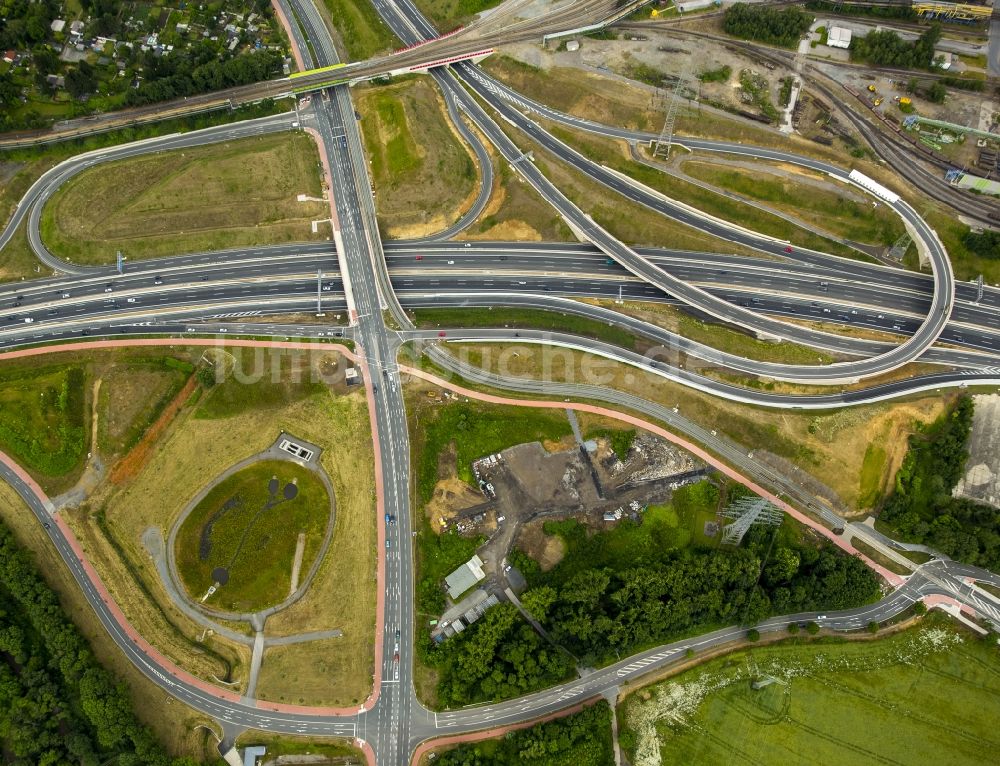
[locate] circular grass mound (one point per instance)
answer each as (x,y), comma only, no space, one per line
(242,536)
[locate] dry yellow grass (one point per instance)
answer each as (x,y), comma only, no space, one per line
(190,455)
(234,194)
(171,721)
(306,674)
(829,445)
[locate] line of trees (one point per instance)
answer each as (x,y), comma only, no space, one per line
(58,705)
(767,25)
(603,613)
(200,71)
(581,739)
(922,508)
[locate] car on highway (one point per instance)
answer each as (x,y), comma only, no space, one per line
(28,320)
(130,300)
(442,334)
(388,544)
(451,263)
(788,249)
(418,257)
(390,519)
(65,295)
(157,280)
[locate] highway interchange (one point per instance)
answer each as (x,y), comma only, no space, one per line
(936,320)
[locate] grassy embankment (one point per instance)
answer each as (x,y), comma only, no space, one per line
(239,193)
(588,95)
(22,167)
(841,215)
(252,534)
(423,173)
(447,15)
(835,702)
(362,33)
(614,154)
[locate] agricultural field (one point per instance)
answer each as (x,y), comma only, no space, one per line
(239,193)
(926,695)
(243,535)
(424,174)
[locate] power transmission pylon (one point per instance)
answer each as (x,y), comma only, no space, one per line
(898,250)
(666,139)
(746,512)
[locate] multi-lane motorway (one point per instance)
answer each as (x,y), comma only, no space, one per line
(936,321)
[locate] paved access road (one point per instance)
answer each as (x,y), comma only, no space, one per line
(392,720)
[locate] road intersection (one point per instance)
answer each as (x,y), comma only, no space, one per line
(363,284)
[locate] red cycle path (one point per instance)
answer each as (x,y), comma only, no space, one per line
(182,675)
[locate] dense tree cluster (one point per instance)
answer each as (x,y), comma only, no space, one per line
(921,506)
(498,657)
(199,71)
(612,611)
(985,244)
(886,48)
(25,22)
(581,739)
(768,25)
(57,704)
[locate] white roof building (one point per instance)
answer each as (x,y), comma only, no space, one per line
(465,577)
(838,37)
(57,25)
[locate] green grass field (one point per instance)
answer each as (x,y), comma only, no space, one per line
(928,695)
(423,173)
(447,15)
(249,525)
(872,471)
(364,34)
(530,319)
(43,417)
(237,193)
(264,379)
(858,221)
(475,430)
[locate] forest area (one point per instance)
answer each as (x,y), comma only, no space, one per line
(922,509)
(58,705)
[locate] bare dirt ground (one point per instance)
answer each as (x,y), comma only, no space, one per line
(981,481)
(532,483)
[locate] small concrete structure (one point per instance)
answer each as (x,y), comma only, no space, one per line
(251,754)
(57,25)
(463,578)
(573,45)
(838,37)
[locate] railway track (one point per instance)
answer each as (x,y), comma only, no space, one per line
(892,147)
